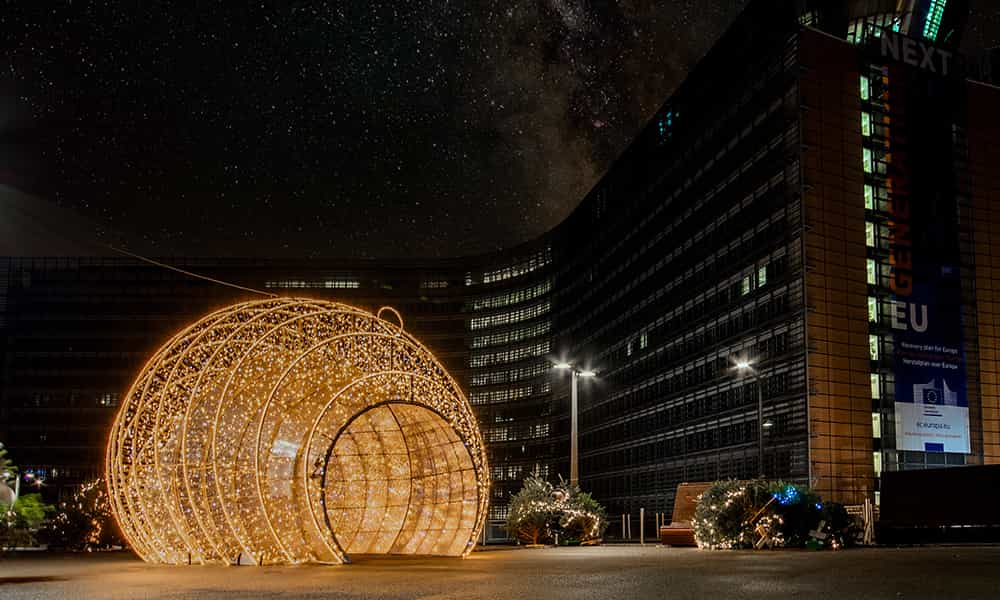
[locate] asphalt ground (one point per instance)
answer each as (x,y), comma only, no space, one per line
(619,572)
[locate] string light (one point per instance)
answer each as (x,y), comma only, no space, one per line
(294,430)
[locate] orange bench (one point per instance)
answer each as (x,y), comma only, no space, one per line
(679,532)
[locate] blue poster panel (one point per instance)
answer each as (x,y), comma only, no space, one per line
(925,315)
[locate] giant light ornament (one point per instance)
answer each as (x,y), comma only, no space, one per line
(294,430)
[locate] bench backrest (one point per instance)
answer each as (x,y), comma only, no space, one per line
(686,500)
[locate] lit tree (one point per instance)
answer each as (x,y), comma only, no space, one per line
(531,511)
(541,510)
(85,521)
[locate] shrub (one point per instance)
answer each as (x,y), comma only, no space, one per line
(734,514)
(84,522)
(540,511)
(722,516)
(20,522)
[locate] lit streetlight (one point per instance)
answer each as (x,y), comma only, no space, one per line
(745,368)
(574,455)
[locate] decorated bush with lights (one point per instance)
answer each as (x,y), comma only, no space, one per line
(541,511)
(83,521)
(760,513)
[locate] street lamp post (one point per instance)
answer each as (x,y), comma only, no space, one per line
(745,367)
(574,454)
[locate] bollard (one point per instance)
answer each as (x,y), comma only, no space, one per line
(642,526)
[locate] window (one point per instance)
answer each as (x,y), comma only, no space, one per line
(866,159)
(864,88)
(762,276)
(869,197)
(342,284)
(516,316)
(876,383)
(872,309)
(876,425)
(873,347)
(877,463)
(934,13)
(643,340)
(866,124)
(511,336)
(434,284)
(872,269)
(508,356)
(870,234)
(512,297)
(536,261)
(628,348)
(745,286)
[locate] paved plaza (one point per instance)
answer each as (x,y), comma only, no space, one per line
(619,572)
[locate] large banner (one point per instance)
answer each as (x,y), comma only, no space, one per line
(925,311)
(932,404)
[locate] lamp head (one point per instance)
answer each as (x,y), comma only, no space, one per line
(562,365)
(587,373)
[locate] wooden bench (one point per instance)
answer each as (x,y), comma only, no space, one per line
(679,532)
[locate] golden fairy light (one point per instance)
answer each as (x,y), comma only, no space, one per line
(293,430)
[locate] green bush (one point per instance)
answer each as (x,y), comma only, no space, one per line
(734,514)
(541,511)
(84,521)
(20,522)
(724,510)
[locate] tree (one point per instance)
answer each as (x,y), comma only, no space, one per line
(20,517)
(22,520)
(84,522)
(541,510)
(583,518)
(531,511)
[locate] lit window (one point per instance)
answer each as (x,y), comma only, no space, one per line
(869,197)
(864,88)
(876,425)
(643,340)
(866,124)
(866,160)
(872,269)
(934,13)
(745,286)
(877,463)
(628,348)
(762,276)
(872,309)
(876,383)
(870,234)
(873,347)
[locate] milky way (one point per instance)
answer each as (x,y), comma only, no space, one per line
(358,129)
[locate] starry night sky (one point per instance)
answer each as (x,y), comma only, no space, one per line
(346,129)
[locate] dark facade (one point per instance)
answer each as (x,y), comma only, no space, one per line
(816,198)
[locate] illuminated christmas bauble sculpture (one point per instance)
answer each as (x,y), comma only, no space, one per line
(294,430)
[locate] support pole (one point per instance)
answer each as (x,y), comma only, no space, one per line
(760,426)
(574,465)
